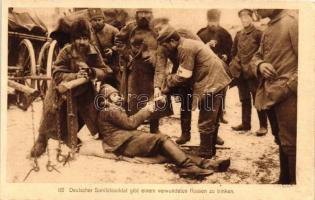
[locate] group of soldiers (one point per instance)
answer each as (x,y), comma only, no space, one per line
(147,61)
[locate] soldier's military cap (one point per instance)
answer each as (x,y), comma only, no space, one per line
(165,34)
(213,14)
(250,12)
(144,10)
(95,13)
(107,90)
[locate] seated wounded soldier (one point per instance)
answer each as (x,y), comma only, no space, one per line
(79,59)
(121,137)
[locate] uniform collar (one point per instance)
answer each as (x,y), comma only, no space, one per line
(91,51)
(249,29)
(277,17)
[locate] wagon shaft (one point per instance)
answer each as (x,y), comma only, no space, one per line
(22,88)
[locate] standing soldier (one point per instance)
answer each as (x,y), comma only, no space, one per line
(199,66)
(103,36)
(184,91)
(246,43)
(137,43)
(76,60)
(218,39)
(276,65)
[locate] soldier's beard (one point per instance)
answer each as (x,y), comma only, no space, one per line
(143,22)
(98,27)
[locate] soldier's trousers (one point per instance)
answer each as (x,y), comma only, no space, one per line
(283,120)
(247,91)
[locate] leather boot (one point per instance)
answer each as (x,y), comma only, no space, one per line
(246,117)
(290,155)
(185,137)
(154,126)
(219,165)
(207,145)
(262,116)
(284,172)
(40,146)
(187,167)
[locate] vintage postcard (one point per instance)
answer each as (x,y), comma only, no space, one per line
(177,99)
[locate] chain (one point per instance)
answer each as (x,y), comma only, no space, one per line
(35,166)
(59,157)
(72,132)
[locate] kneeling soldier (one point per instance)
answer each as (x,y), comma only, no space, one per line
(120,134)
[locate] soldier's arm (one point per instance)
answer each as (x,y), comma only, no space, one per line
(184,71)
(121,119)
(160,67)
(234,46)
(61,68)
(294,35)
(227,45)
(101,70)
(257,60)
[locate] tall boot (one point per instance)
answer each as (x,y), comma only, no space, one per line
(290,154)
(40,146)
(219,165)
(284,172)
(262,116)
(246,116)
(185,123)
(207,145)
(154,125)
(187,167)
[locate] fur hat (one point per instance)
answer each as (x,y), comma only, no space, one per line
(95,13)
(80,28)
(213,14)
(165,34)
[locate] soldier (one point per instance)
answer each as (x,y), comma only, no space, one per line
(246,43)
(103,36)
(120,136)
(137,43)
(199,66)
(184,91)
(76,60)
(218,39)
(276,65)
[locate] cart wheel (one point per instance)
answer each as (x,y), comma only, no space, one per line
(47,56)
(26,61)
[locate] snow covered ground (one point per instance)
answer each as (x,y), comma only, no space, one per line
(254,160)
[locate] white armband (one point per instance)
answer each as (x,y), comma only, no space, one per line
(182,72)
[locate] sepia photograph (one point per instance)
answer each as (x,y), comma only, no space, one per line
(156,96)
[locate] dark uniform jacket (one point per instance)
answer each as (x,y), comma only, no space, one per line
(163,54)
(198,64)
(141,55)
(246,43)
(117,128)
(279,47)
(65,69)
(223,38)
(103,40)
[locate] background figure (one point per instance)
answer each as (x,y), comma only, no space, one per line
(246,43)
(219,40)
(138,43)
(276,66)
(103,36)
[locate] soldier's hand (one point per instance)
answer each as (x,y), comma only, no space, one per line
(157,92)
(150,106)
(212,43)
(224,57)
(108,52)
(82,74)
(267,70)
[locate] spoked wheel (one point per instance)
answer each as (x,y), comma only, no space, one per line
(46,58)
(27,64)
